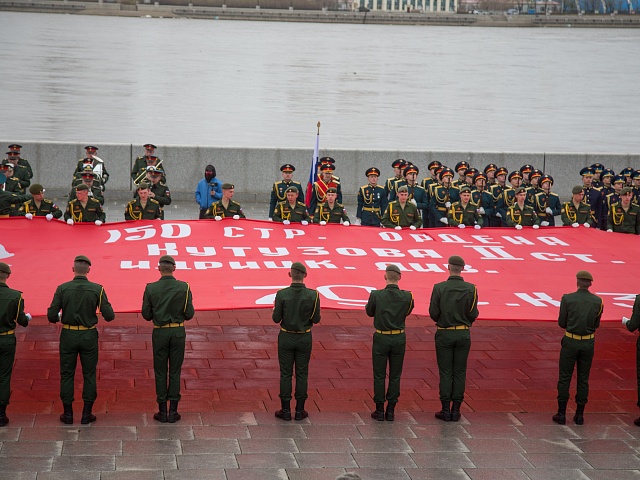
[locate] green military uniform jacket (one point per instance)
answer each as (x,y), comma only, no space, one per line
(570,215)
(94,163)
(330,215)
(390,185)
(278,194)
(372,202)
(77,180)
(11,308)
(22,174)
(296,308)
(25,163)
(217,210)
(580,312)
(468,215)
(389,307)
(46,207)
(634,322)
(624,222)
(526,217)
(94,192)
(454,302)
(135,211)
(140,165)
(13,185)
(8,199)
(167,301)
(284,211)
(395,215)
(90,213)
(544,201)
(440,197)
(161,193)
(79,299)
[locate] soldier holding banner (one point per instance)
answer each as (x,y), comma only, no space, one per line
(279,189)
(39,206)
(225,207)
(143,207)
(632,325)
(331,211)
(291,210)
(402,213)
(520,214)
(576,212)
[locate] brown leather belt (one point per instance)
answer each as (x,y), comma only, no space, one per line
(295,331)
(390,332)
(579,337)
(457,327)
(170,325)
(76,327)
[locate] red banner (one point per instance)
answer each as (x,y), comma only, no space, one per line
(232,264)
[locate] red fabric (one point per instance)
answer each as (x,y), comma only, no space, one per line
(521,275)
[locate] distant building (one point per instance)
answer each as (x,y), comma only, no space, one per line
(443,6)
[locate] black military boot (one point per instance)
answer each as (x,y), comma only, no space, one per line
(445,413)
(87,416)
(561,416)
(173,415)
(636,422)
(378,413)
(161,416)
(578,418)
(390,414)
(67,416)
(301,413)
(455,411)
(285,410)
(3,415)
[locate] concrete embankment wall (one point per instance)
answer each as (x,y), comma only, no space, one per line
(253,170)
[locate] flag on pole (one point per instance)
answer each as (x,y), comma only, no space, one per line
(313,173)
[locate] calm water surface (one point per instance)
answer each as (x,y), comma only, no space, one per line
(226,83)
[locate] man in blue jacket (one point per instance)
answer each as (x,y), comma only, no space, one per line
(208,190)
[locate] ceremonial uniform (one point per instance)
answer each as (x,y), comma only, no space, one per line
(417,193)
(505,202)
(622,221)
(483,199)
(570,215)
(168,303)
(217,210)
(94,192)
(296,213)
(395,215)
(372,202)
(594,198)
(91,212)
(79,299)
(468,216)
(98,167)
(544,201)
(453,308)
(525,216)
(278,194)
(8,199)
(632,325)
(46,207)
(389,308)
(140,165)
(135,211)
(324,213)
(22,175)
(390,186)
(319,193)
(497,195)
(439,200)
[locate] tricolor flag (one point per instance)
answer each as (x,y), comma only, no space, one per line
(313,173)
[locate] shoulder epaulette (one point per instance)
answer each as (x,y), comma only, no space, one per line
(45,201)
(153,200)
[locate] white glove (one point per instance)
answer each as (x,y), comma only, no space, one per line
(29,216)
(575,225)
(477,227)
(49,217)
(286,222)
(236,217)
(412,227)
(448,204)
(322,222)
(462,225)
(304,222)
(535,227)
(346,224)
(59,316)
(624,320)
(70,221)
(498,215)
(413,200)
(518,227)
(548,210)
(98,223)
(398,227)
(609,230)
(481,210)
(270,219)
(28,315)
(586,225)
(544,224)
(217,218)
(445,220)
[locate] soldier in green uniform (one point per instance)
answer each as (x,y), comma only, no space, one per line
(464,214)
(168,303)
(389,308)
(547,203)
(13,183)
(325,181)
(331,211)
(89,179)
(461,169)
(428,183)
(454,308)
(15,148)
(401,213)
(79,300)
(508,196)
(20,172)
(579,315)
(372,200)
(39,206)
(632,325)
(279,189)
(417,195)
(225,207)
(8,199)
(624,216)
(482,198)
(520,214)
(576,212)
(141,163)
(296,309)
(83,208)
(497,193)
(11,312)
(159,192)
(390,185)
(143,208)
(291,210)
(77,178)
(96,163)
(442,197)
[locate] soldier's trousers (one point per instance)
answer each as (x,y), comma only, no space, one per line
(168,356)
(82,343)
(580,353)
(387,349)
(7,356)
(294,350)
(637,367)
(452,351)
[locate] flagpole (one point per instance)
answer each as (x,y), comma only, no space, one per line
(314,168)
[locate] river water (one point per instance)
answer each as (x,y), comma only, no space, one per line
(260,84)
